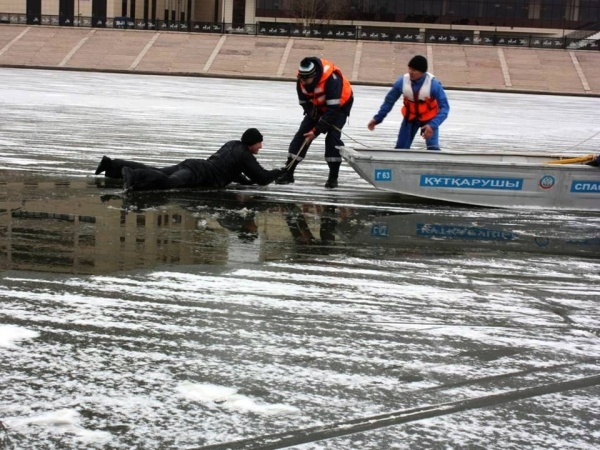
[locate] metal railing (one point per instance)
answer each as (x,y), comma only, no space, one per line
(368,33)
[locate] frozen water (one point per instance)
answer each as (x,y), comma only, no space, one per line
(193,318)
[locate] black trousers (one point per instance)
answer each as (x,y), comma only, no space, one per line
(332,139)
(165,178)
(149,177)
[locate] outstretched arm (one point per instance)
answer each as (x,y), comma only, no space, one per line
(256,173)
(242,179)
(388,103)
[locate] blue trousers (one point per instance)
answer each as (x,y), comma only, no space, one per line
(408,131)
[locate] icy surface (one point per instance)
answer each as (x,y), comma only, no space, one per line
(119,333)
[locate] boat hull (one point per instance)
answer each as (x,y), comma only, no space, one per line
(507,180)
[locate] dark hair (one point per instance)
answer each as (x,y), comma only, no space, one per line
(251,136)
(418,63)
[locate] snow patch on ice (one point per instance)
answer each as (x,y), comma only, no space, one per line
(62,421)
(228,398)
(10,334)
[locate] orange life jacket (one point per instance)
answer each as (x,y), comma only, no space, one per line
(425,108)
(317,96)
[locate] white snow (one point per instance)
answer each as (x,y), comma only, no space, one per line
(11,335)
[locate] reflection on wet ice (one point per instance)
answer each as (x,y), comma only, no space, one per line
(79,229)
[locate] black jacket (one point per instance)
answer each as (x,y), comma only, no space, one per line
(233,162)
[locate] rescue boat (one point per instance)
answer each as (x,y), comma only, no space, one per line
(492,179)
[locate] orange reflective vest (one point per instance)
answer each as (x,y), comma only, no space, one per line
(425,108)
(317,96)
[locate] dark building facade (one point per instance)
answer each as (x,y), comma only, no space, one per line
(569,14)
(182,15)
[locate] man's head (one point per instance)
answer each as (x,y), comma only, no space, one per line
(417,66)
(307,71)
(253,139)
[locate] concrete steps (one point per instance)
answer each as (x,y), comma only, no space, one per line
(369,62)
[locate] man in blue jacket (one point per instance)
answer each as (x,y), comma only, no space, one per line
(234,162)
(425,105)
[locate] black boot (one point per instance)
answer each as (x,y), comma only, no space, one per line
(288,176)
(285,178)
(334,170)
(112,168)
(104,165)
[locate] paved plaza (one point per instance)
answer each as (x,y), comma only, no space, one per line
(496,68)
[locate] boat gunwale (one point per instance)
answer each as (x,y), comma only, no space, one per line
(437,157)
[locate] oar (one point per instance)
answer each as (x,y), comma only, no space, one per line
(577,159)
